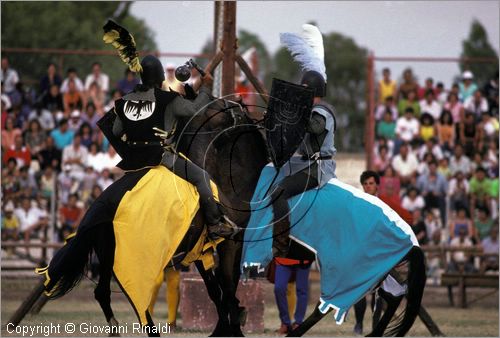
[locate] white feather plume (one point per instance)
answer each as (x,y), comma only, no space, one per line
(307,49)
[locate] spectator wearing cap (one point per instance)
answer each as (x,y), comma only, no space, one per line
(430,105)
(8,76)
(72,75)
(49,79)
(467,87)
(97,76)
(171,83)
(128,83)
(75,122)
(476,104)
(63,136)
(387,87)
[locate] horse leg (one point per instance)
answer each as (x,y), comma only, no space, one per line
(150,328)
(228,273)
(215,294)
(310,321)
(102,293)
(392,306)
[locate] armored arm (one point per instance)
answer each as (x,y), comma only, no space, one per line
(181,107)
(317,124)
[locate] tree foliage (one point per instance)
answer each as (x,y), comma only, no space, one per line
(66,25)
(478,46)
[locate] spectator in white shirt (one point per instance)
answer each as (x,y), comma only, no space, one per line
(31,219)
(405,164)
(8,76)
(75,155)
(458,191)
(72,75)
(97,76)
(413,200)
(460,162)
(430,105)
(476,104)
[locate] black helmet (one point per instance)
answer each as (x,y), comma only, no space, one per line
(315,81)
(152,74)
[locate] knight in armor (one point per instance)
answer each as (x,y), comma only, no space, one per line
(312,166)
(141,116)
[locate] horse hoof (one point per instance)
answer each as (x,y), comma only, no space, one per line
(114,326)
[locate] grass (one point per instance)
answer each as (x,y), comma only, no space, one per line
(480,319)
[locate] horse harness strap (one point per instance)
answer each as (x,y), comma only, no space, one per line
(316,157)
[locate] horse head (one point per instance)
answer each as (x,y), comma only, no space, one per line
(227,143)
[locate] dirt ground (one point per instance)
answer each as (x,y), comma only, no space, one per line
(480,319)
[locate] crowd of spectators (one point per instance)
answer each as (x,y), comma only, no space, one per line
(437,154)
(54,158)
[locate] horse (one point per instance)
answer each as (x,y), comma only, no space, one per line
(227,144)
(240,152)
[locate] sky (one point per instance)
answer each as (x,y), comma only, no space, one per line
(386,28)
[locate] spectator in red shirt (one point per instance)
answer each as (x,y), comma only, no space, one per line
(69,215)
(18,151)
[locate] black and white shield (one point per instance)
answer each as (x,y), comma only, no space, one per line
(288,114)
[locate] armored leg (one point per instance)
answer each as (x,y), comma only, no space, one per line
(201,180)
(287,188)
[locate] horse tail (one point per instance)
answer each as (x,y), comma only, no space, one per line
(416,283)
(68,266)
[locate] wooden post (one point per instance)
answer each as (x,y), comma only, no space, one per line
(370,108)
(255,82)
(228,48)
